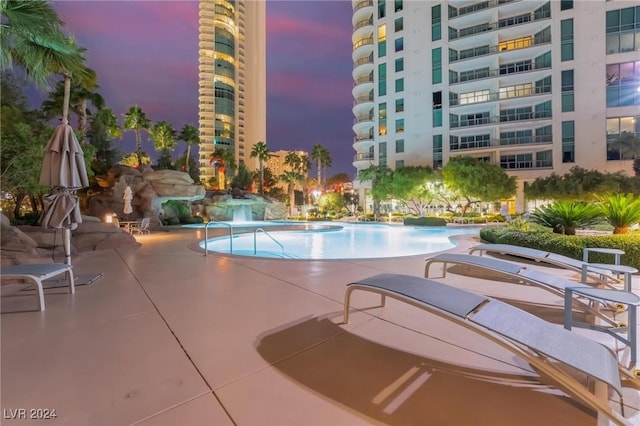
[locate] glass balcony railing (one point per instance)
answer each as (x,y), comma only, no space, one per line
(494,143)
(502,23)
(455,56)
(362,138)
(363,80)
(362,119)
(506,93)
(455,12)
(363,157)
(482,73)
(362,100)
(362,4)
(363,42)
(363,23)
(362,61)
(497,119)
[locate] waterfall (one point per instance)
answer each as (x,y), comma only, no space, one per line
(242,213)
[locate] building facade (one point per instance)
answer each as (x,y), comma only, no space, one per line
(277,166)
(537,87)
(232,81)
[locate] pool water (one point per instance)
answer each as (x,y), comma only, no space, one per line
(348,241)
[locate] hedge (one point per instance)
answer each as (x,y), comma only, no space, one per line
(425,221)
(570,245)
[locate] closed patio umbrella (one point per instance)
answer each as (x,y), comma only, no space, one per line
(128,196)
(64,170)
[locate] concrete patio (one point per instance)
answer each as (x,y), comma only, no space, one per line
(169,336)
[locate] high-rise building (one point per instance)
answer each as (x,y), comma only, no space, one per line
(277,166)
(232,81)
(534,86)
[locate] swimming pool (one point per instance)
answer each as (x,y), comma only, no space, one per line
(341,241)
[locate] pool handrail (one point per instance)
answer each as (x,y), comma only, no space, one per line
(255,244)
(206,236)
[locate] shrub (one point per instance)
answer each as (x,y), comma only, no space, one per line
(621,211)
(569,246)
(425,221)
(565,216)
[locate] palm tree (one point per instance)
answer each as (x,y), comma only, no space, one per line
(81,92)
(323,159)
(621,211)
(135,119)
(260,152)
(33,40)
(191,136)
(295,174)
(164,137)
(225,158)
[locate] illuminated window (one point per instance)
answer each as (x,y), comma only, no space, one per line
(517,43)
(516,91)
(474,97)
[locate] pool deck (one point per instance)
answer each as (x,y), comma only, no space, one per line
(169,336)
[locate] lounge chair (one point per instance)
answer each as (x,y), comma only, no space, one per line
(36,273)
(538,342)
(602,274)
(558,286)
(142,227)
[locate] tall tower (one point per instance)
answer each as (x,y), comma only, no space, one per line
(534,86)
(232,76)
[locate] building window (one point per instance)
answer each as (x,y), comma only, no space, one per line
(621,81)
(399,64)
(381,9)
(437,118)
(399,164)
(399,24)
(399,146)
(623,30)
(566,39)
(473,97)
(382,154)
(400,85)
(623,137)
(400,105)
(436,25)
(400,125)
(382,40)
(568,142)
(517,43)
(437,151)
(399,44)
(516,161)
(382,79)
(382,119)
(436,65)
(567,91)
(398,5)
(566,4)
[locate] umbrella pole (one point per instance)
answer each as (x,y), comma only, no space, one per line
(66,237)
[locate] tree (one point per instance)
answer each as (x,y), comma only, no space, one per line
(191,136)
(242,179)
(260,152)
(133,160)
(408,185)
(323,160)
(103,127)
(375,174)
(33,40)
(136,120)
(477,181)
(164,136)
(81,93)
(222,159)
(295,174)
(564,216)
(621,211)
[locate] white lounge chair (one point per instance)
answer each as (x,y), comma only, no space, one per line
(547,347)
(558,286)
(36,273)
(142,227)
(602,274)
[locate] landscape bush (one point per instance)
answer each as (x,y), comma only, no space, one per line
(571,246)
(425,221)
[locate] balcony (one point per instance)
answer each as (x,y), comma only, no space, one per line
(362,142)
(362,5)
(461,11)
(501,119)
(492,50)
(510,92)
(499,25)
(504,70)
(500,143)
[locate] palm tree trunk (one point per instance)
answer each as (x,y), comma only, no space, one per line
(67,97)
(319,173)
(186,160)
(138,147)
(82,120)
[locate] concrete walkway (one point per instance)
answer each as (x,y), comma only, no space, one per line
(170,337)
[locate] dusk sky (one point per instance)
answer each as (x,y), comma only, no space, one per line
(146,53)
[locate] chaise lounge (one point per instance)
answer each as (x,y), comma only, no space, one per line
(602,274)
(37,273)
(548,348)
